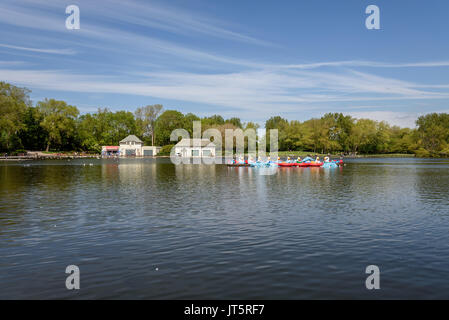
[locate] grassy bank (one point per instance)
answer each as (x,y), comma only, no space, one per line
(67,153)
(303,154)
(384,155)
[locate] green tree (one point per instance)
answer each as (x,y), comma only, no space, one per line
(188,122)
(316,131)
(383,138)
(58,120)
(105,128)
(293,136)
(340,127)
(32,135)
(146,119)
(123,124)
(235,121)
(14,102)
(363,135)
(433,131)
(211,122)
(403,140)
(167,122)
(89,136)
(281,125)
(251,125)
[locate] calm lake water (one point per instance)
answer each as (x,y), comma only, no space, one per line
(145,228)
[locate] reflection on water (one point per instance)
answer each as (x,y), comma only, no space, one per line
(219,232)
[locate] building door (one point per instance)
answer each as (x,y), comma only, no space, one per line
(130,152)
(148,153)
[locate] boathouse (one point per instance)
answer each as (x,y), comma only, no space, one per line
(131,146)
(195,148)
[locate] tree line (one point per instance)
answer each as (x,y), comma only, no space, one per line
(55,125)
(335,132)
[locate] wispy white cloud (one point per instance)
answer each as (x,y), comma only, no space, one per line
(262,91)
(110,39)
(132,58)
(171,19)
(148,15)
(11,63)
(39,50)
(371,64)
(27,17)
(397,118)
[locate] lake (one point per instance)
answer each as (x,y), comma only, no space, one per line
(147,229)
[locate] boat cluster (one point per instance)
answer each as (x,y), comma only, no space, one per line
(306,162)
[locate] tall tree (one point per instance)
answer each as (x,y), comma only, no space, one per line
(252,125)
(363,136)
(212,121)
(33,136)
(14,102)
(433,131)
(105,128)
(188,122)
(235,121)
(89,136)
(281,125)
(167,122)
(123,124)
(146,118)
(58,120)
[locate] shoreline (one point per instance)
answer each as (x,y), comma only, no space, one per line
(44,157)
(38,155)
(31,158)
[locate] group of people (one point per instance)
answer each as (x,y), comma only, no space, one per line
(305,160)
(308,159)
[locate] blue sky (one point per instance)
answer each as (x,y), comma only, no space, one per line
(250,59)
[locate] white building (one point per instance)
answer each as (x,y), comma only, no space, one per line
(109,151)
(150,151)
(131,146)
(195,148)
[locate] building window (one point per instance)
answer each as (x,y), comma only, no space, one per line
(206,153)
(195,153)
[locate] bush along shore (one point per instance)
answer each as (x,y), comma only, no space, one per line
(55,125)
(42,155)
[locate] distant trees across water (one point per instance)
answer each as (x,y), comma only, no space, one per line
(56,125)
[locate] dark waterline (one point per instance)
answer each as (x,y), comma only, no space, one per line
(144,228)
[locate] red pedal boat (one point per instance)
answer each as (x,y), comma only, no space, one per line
(303,164)
(286,164)
(315,164)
